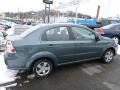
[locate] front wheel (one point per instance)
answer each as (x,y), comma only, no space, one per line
(108,56)
(42,68)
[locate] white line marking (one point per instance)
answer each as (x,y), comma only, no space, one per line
(111,86)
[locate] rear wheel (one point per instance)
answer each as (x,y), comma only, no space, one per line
(116,39)
(42,68)
(108,56)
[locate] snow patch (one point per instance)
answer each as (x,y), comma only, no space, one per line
(6,75)
(31,76)
(118,52)
(2,88)
(11,85)
(20,85)
(10,31)
(27,81)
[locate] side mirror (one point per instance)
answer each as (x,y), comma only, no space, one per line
(97,38)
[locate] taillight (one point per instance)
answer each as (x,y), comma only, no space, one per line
(101,31)
(9,47)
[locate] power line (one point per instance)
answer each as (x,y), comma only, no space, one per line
(68,4)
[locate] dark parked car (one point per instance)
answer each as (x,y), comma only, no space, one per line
(46,46)
(93,26)
(111,31)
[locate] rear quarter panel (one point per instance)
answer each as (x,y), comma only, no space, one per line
(26,47)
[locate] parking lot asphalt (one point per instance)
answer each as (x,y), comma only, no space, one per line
(92,75)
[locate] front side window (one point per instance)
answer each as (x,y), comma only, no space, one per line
(82,34)
(57,34)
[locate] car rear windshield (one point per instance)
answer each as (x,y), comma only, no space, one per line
(32,29)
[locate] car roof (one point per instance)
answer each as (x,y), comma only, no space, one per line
(110,26)
(44,27)
(60,24)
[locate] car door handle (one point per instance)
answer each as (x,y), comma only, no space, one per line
(79,44)
(50,45)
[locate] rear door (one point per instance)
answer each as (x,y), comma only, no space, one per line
(115,30)
(86,47)
(58,42)
(112,31)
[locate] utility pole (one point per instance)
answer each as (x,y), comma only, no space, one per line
(98,11)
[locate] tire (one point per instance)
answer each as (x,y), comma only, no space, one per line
(108,56)
(42,68)
(116,39)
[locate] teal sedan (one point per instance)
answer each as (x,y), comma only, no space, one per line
(46,46)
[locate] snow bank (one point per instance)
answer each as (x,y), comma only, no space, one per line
(6,75)
(4,87)
(11,30)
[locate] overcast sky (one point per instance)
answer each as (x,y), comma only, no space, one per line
(109,8)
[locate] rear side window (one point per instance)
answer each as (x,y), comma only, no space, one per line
(57,34)
(108,26)
(30,30)
(117,27)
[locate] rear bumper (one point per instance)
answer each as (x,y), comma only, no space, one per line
(13,63)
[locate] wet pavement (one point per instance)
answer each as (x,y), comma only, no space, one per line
(92,75)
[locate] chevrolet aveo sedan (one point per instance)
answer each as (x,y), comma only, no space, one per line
(46,46)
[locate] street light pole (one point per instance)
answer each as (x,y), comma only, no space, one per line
(49,14)
(58,9)
(76,10)
(45,14)
(76,16)
(47,6)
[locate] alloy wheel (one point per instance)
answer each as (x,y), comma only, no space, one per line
(42,68)
(108,56)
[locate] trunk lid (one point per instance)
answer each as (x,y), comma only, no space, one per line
(13,38)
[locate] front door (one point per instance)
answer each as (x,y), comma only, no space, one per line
(86,47)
